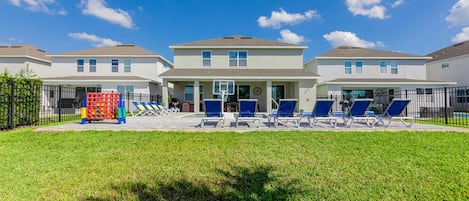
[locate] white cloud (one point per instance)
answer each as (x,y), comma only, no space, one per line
(46,6)
(462,36)
(95,40)
(339,38)
(459,13)
(277,19)
(368,8)
(397,3)
(98,9)
(290,37)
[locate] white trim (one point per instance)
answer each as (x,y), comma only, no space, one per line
(238,58)
(376,58)
(253,78)
(25,56)
(240,47)
(384,82)
(110,56)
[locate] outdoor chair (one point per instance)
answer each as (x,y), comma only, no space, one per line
(247,111)
(321,111)
(149,109)
(394,111)
(285,112)
(357,112)
(213,112)
(141,110)
(157,108)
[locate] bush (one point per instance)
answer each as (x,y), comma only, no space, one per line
(26,95)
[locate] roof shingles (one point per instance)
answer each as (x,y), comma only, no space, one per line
(237,41)
(24,50)
(358,52)
(455,50)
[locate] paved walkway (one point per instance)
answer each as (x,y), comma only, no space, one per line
(189,122)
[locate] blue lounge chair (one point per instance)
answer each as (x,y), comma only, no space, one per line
(247,111)
(285,112)
(357,112)
(321,111)
(213,111)
(394,111)
(141,110)
(149,109)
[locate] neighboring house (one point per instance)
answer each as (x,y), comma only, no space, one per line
(262,70)
(452,64)
(122,68)
(17,57)
(354,72)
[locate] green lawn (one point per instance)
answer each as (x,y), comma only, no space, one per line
(234,166)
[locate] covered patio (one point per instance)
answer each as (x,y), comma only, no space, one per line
(192,86)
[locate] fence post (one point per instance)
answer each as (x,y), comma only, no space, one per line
(11,116)
(60,103)
(446,106)
(128,101)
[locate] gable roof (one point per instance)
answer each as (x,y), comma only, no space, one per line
(118,50)
(237,41)
(24,50)
(349,52)
(454,50)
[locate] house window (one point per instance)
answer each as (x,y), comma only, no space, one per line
(348,67)
(445,65)
(92,65)
(238,58)
(243,58)
(189,92)
(126,90)
(115,65)
(463,95)
(359,66)
(206,58)
(394,65)
(80,63)
(127,65)
(383,67)
(425,94)
(165,66)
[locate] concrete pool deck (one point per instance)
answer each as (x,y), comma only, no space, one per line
(188,122)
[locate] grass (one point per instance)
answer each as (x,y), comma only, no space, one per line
(454,122)
(280,165)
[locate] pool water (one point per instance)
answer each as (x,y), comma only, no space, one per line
(460,115)
(200,115)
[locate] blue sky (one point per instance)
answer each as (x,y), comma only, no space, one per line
(409,26)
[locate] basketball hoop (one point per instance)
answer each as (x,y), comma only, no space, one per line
(223,88)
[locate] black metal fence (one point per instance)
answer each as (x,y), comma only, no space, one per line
(448,105)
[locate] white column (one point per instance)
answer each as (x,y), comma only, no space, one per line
(196,96)
(269,96)
(164,91)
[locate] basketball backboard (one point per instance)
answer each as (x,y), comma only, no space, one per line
(223,87)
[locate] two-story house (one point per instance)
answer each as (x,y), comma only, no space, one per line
(17,57)
(354,72)
(452,64)
(262,69)
(122,68)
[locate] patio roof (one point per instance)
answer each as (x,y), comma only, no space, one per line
(93,79)
(239,74)
(374,81)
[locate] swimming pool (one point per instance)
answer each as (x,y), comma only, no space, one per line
(200,115)
(460,115)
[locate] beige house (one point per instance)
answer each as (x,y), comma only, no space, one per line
(262,69)
(17,57)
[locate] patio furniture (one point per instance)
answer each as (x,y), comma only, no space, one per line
(247,111)
(394,111)
(213,112)
(321,111)
(285,112)
(357,113)
(141,110)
